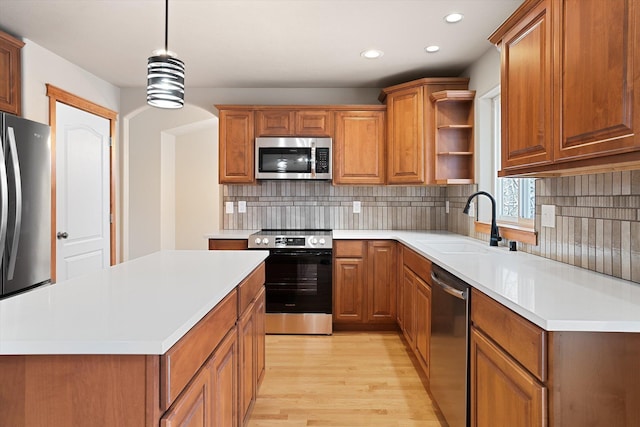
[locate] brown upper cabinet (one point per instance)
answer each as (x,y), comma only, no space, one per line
(357,130)
(359,147)
(410,128)
(10,66)
(285,122)
(236,146)
(569,72)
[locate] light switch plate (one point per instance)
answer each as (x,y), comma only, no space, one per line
(548,217)
(228,207)
(356,206)
(242,206)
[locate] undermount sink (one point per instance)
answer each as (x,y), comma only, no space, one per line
(457,247)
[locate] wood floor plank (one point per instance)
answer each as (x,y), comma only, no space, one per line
(349,379)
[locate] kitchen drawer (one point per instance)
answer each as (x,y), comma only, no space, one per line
(181,362)
(249,288)
(349,248)
(417,263)
(526,342)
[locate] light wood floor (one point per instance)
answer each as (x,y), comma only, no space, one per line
(349,379)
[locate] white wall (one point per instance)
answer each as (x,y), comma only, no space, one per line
(198,193)
(484,77)
(143,175)
(167,191)
(205,98)
(41,66)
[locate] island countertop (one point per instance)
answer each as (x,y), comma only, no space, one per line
(142,306)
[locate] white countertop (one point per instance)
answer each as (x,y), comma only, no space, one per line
(551,294)
(143,306)
(230,234)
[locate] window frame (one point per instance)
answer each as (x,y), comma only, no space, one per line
(499,182)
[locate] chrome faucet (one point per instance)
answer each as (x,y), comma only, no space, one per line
(495,234)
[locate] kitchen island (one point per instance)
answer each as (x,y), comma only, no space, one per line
(152,341)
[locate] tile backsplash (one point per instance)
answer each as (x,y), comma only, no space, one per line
(597,222)
(597,216)
(315,204)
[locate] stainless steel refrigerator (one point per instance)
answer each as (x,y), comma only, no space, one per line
(25,204)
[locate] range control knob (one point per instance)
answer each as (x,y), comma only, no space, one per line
(322,242)
(314,241)
(265,241)
(258,240)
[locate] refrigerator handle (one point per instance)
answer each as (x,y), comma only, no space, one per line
(13,254)
(4,202)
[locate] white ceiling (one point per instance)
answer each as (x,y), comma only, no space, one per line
(262,43)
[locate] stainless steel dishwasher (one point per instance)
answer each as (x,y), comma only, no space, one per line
(449,373)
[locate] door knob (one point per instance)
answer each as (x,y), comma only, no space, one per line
(62,235)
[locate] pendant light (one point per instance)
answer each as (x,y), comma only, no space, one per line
(165,74)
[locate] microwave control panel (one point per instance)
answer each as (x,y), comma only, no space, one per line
(322,160)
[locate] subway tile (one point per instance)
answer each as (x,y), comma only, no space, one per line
(635,182)
(626,182)
(635,251)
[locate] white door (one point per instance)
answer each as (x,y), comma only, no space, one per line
(82,192)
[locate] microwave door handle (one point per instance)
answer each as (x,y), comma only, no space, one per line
(313,159)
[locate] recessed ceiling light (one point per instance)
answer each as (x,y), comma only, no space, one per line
(371,54)
(452,18)
(432,49)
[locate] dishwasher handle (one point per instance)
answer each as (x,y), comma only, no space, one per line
(458,293)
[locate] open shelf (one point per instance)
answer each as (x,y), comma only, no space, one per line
(454,116)
(455,127)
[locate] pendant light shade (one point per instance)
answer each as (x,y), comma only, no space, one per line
(165,82)
(165,75)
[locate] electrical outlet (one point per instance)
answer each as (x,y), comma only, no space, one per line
(548,217)
(446,206)
(228,207)
(356,206)
(242,206)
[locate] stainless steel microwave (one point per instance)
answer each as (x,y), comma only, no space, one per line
(293,158)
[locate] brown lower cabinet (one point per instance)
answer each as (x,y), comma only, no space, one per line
(504,394)
(364,283)
(211,397)
(224,380)
(228,244)
(251,331)
(522,375)
(414,306)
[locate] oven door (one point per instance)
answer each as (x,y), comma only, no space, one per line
(298,281)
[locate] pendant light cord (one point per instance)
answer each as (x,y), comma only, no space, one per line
(166,27)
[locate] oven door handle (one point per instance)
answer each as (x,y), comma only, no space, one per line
(297,254)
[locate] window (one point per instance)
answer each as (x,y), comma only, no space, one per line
(515,197)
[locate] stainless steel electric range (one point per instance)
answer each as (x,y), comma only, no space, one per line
(298,280)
